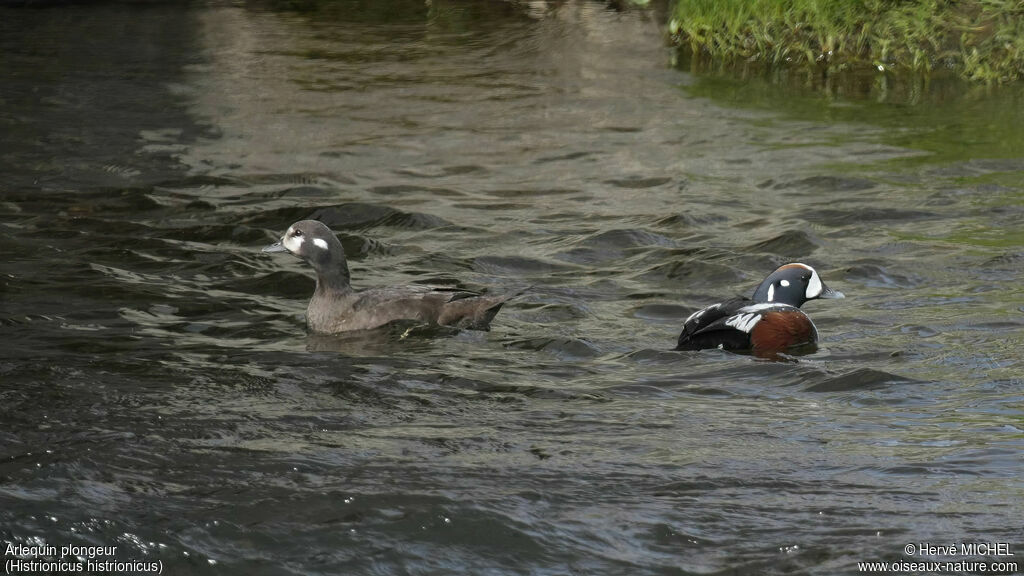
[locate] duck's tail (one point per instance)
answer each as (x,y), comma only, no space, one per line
(476,312)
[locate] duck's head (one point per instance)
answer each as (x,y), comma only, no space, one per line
(315,243)
(793,284)
(307,239)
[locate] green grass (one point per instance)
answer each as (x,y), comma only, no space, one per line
(981,40)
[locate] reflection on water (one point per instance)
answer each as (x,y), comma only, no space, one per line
(160,394)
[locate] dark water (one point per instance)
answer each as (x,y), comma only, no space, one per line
(160,395)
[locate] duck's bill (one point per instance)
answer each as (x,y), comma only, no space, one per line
(275,247)
(826,292)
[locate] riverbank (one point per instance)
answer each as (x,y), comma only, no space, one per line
(979,41)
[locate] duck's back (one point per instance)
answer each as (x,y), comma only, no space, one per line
(742,324)
(330,313)
(705,328)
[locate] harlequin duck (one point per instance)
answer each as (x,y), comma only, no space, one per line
(769,322)
(337,307)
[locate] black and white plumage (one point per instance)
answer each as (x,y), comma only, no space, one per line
(338,307)
(770,321)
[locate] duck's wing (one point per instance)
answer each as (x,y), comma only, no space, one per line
(388,296)
(473,312)
(709,327)
(431,304)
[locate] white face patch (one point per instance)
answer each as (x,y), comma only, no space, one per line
(771,291)
(744,322)
(320,243)
(784,283)
(291,242)
(813,286)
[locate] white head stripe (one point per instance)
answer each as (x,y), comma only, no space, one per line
(320,243)
(771,291)
(813,286)
(784,282)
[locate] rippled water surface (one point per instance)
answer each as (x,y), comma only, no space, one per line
(159,392)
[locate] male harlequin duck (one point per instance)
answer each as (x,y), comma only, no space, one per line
(769,322)
(337,307)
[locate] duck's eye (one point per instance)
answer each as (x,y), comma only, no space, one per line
(297,233)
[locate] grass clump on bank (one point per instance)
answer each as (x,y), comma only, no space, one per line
(982,40)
